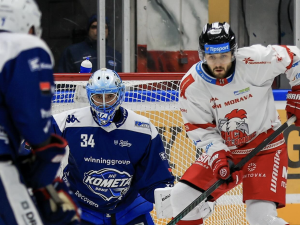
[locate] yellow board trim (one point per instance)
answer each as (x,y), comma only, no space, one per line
(290,213)
(218,11)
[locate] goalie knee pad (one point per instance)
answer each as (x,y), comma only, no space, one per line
(182,195)
(262,213)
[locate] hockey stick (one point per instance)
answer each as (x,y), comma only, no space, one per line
(53,193)
(238,166)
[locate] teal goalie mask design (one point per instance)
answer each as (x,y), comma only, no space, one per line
(105,91)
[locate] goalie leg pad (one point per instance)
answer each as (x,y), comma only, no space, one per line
(262,212)
(17,206)
(182,195)
(162,198)
(138,211)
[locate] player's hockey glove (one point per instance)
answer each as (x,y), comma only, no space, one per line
(57,204)
(40,166)
(222,166)
(219,164)
(293,104)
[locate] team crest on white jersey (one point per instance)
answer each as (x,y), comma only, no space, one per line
(234,128)
(108,183)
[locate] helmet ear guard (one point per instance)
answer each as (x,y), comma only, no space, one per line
(20,15)
(105,82)
(216,38)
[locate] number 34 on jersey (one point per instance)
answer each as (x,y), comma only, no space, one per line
(87,140)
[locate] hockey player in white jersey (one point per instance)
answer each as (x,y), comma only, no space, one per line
(26,84)
(116,157)
(228,109)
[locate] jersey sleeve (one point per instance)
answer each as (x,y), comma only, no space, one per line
(29,92)
(293,69)
(57,128)
(153,170)
(265,63)
(197,115)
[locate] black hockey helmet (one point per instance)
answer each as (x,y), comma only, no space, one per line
(216,38)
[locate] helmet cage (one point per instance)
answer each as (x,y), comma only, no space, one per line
(104,82)
(104,102)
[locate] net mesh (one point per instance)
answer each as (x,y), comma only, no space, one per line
(158,100)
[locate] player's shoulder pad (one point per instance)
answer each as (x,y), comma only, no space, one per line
(81,117)
(253,52)
(192,82)
(139,123)
(191,72)
(13,44)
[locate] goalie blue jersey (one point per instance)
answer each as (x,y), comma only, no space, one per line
(26,81)
(108,166)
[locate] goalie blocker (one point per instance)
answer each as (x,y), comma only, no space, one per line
(163,205)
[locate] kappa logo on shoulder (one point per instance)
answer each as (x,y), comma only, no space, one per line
(72,119)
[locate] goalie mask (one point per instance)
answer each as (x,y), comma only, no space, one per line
(18,16)
(217,38)
(105,91)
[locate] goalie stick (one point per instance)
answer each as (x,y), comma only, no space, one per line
(238,166)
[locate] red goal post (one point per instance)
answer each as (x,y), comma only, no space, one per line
(155,95)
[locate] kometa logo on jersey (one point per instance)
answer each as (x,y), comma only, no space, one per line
(108,183)
(234,128)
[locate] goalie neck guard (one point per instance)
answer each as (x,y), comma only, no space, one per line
(105,92)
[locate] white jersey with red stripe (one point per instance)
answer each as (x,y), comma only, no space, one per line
(230,113)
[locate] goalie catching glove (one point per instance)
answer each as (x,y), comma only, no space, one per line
(57,204)
(40,166)
(222,166)
(293,104)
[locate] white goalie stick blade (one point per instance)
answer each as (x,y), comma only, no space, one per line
(162,197)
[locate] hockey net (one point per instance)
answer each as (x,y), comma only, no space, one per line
(155,95)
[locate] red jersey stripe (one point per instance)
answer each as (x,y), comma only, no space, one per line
(191,127)
(184,85)
(290,54)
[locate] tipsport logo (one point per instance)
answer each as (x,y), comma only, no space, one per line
(108,183)
(220,48)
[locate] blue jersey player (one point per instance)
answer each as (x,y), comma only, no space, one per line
(26,86)
(116,157)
